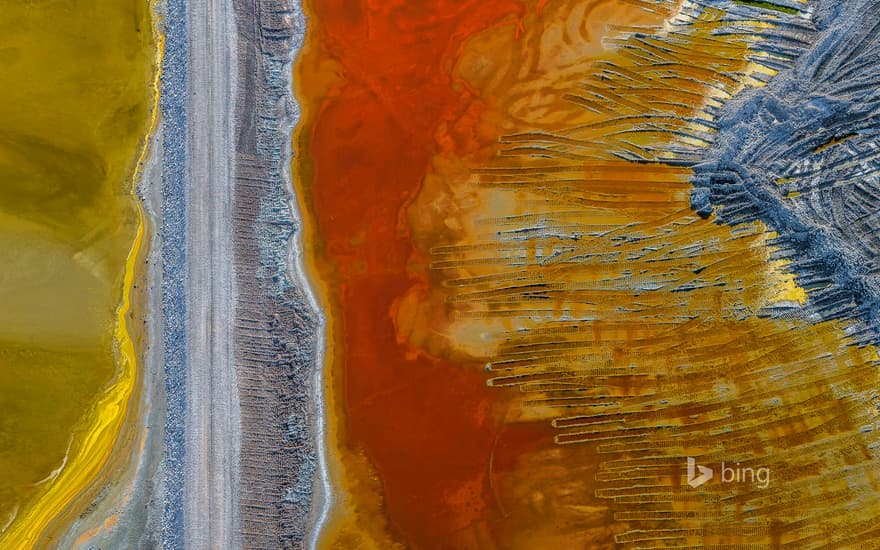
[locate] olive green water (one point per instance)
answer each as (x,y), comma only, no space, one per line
(75,81)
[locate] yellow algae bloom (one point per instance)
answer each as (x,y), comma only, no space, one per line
(77,101)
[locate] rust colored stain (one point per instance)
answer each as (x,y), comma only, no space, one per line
(528,326)
(425,424)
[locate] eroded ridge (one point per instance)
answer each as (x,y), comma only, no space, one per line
(646,334)
(275,326)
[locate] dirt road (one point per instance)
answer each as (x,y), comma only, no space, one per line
(212,424)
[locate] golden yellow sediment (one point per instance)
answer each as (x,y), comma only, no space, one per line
(95,435)
(95,448)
